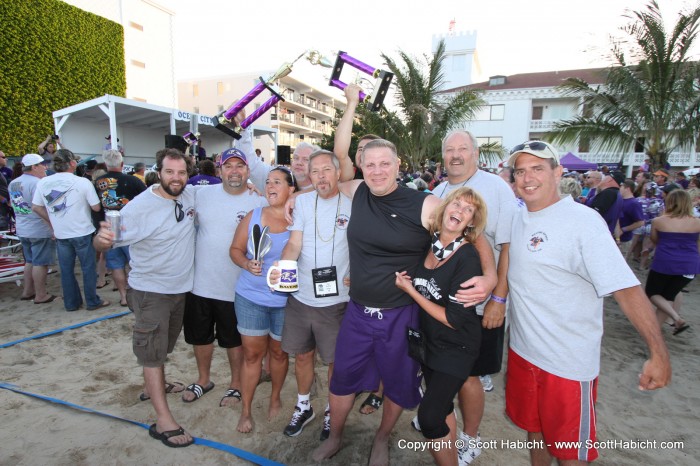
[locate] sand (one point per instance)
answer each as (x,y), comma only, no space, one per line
(93,366)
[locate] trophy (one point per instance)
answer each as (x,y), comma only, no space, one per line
(191,138)
(259,243)
(381,86)
(224,121)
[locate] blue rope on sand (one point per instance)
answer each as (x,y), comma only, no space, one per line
(253,458)
(71,327)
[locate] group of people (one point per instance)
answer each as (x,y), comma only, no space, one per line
(375,261)
(396,286)
(656,224)
(55,218)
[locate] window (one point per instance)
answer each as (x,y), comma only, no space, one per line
(498,112)
(497,80)
(195,90)
(136,26)
(490,112)
(489,140)
(537,112)
(219,88)
(639,144)
(137,63)
(257,106)
(221,108)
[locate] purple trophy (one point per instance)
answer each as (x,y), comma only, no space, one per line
(381,86)
(190,138)
(224,121)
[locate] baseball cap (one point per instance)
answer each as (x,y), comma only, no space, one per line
(233,152)
(32,159)
(537,148)
(618,177)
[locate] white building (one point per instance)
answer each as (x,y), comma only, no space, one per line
(461,65)
(148,46)
(305,114)
(523,107)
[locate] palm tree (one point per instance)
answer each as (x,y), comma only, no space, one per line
(423,114)
(650,95)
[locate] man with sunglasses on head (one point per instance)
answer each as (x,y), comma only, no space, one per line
(561,249)
(158,226)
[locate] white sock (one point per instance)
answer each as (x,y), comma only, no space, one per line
(328,407)
(303,401)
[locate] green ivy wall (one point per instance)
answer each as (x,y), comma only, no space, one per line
(53,55)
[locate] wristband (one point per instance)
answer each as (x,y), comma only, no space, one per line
(498,299)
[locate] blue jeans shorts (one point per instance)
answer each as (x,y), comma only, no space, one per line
(39,251)
(117,258)
(255,320)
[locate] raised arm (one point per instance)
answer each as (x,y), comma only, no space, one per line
(343,133)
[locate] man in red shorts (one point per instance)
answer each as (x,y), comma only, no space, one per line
(560,249)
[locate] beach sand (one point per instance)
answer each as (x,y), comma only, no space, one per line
(94,367)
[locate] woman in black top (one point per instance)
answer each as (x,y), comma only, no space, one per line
(452,332)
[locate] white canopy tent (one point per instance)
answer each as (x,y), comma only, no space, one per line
(140,127)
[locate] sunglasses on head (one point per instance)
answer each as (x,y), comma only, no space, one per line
(534,145)
(179,213)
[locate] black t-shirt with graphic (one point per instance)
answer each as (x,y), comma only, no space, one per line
(450,350)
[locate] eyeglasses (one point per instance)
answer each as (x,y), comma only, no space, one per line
(179,213)
(534,145)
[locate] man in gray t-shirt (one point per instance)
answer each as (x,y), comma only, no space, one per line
(158,225)
(209,310)
(35,233)
(318,239)
(559,250)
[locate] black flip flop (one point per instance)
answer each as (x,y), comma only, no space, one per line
(230,393)
(165,436)
(198,391)
(51,298)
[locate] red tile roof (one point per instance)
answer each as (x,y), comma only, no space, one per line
(542,79)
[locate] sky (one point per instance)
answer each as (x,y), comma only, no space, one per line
(513,36)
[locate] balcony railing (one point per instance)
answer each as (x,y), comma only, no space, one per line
(541,125)
(299,120)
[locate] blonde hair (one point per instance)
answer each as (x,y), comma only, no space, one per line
(478,222)
(678,204)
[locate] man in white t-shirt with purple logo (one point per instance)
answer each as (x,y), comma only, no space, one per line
(560,249)
(209,309)
(66,201)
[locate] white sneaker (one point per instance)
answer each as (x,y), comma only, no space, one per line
(486,382)
(415,424)
(470,450)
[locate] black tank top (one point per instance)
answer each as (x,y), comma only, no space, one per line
(385,236)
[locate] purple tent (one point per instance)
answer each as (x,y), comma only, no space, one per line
(571,162)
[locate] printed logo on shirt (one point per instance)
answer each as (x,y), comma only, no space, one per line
(341,221)
(239,216)
(190,213)
(536,242)
(428,288)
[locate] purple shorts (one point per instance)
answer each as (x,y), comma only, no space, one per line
(372,346)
